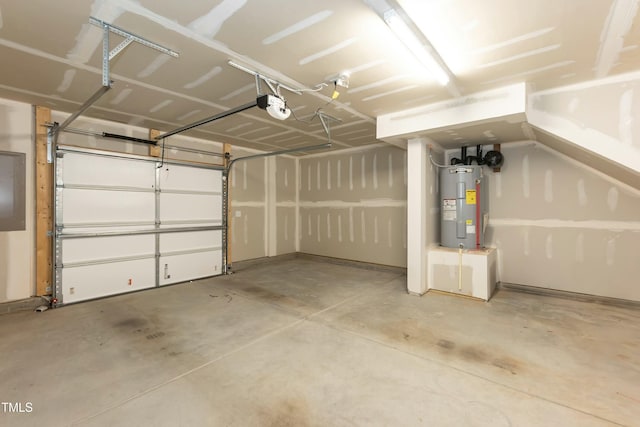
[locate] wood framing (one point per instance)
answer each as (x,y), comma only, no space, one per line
(44,205)
(154,150)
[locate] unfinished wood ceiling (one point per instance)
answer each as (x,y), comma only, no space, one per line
(52,56)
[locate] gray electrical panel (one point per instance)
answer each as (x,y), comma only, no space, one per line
(463,206)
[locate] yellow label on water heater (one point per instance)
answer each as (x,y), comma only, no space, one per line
(471,197)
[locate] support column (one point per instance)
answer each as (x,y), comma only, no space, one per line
(416,216)
(44,206)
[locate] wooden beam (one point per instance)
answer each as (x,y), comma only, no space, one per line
(44,206)
(226,150)
(154,150)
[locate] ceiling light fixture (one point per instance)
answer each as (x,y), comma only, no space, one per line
(419,49)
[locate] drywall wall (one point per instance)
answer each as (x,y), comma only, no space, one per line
(17,248)
(286,204)
(562,225)
(249,210)
(353,205)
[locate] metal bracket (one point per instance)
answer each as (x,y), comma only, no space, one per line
(107,55)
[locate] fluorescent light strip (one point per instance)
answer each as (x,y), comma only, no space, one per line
(406,36)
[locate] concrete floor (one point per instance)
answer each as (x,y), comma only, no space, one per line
(298,342)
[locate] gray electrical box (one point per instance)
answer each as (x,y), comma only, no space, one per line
(463,206)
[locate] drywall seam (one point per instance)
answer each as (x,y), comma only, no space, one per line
(514,40)
(326,52)
(370,203)
(204,78)
(617,226)
(298,26)
(347,150)
(618,23)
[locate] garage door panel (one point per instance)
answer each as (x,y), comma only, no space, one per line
(190,208)
(183,178)
(176,242)
(83,169)
(115,229)
(105,248)
(95,281)
(84,206)
(183,267)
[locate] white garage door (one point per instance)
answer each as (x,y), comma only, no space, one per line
(125,223)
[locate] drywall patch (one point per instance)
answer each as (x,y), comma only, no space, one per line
(625,122)
(530,72)
(67,79)
(245,229)
(363,170)
(387,93)
(286,177)
(521,38)
(520,56)
(611,251)
(582,193)
(326,52)
(378,83)
(390,171)
(525,176)
(351,231)
(309,225)
(580,248)
(318,228)
(154,65)
(612,199)
(617,25)
(363,227)
(328,226)
(286,227)
(375,230)
(340,228)
(308,177)
(350,172)
(548,186)
(122,95)
(89,37)
(318,177)
(208,25)
(161,105)
(573,105)
(375,171)
(244,175)
(328,174)
(204,78)
(339,172)
(237,92)
(549,246)
(298,26)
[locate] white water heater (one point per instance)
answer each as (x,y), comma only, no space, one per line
(463,206)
